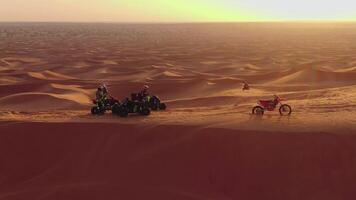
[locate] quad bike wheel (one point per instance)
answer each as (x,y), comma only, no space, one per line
(97,111)
(162,106)
(258,110)
(154,107)
(285,109)
(154,103)
(145,111)
(120,110)
(123,113)
(115,109)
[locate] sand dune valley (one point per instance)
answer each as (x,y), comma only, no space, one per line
(207,144)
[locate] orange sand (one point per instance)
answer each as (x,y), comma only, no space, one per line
(207,145)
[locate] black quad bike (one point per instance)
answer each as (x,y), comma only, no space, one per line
(152,101)
(129,106)
(155,103)
(100,107)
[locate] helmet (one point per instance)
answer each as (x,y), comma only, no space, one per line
(103,87)
(146,87)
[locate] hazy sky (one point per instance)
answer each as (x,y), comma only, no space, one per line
(176,10)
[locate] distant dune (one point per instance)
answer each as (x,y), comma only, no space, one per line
(207,144)
(43,101)
(318,76)
(49,75)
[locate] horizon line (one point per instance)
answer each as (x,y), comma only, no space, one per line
(187,22)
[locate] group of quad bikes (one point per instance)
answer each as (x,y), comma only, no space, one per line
(144,105)
(137,104)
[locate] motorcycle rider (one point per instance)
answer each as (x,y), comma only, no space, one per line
(245,86)
(276,98)
(275,101)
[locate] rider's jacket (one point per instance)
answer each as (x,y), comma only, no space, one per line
(101,95)
(142,94)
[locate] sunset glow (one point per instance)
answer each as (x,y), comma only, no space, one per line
(176,10)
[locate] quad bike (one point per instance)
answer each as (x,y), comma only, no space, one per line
(271,105)
(129,106)
(153,102)
(100,107)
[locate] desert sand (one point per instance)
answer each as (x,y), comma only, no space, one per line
(207,145)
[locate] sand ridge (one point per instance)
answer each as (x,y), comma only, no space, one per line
(207,145)
(209,75)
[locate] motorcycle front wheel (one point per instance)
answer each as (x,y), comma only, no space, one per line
(285,109)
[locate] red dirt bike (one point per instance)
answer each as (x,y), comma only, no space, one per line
(271,105)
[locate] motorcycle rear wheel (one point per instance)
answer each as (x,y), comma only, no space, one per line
(258,110)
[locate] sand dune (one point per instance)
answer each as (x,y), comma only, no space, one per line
(184,163)
(42,101)
(24,60)
(9,80)
(207,144)
(165,75)
(171,74)
(225,81)
(347,70)
(251,67)
(49,75)
(74,88)
(317,76)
